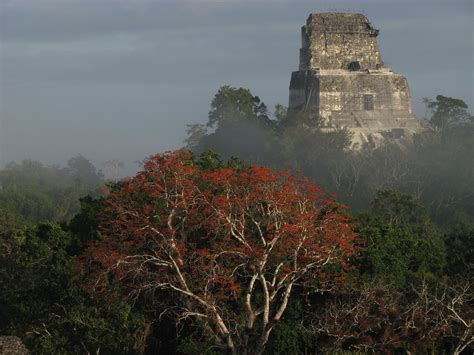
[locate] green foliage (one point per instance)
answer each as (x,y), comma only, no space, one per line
(197,342)
(293,336)
(459,241)
(294,142)
(84,225)
(84,172)
(239,125)
(402,241)
(38,192)
(35,271)
(90,327)
(447,111)
(210,161)
(232,105)
(41,302)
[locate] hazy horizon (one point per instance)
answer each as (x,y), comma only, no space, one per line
(121,79)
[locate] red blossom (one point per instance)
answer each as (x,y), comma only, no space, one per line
(212,237)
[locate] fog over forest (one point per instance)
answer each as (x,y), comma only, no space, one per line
(120,79)
(336,223)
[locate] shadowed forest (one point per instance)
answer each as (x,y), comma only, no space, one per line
(265,234)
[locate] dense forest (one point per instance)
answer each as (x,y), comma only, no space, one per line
(263,235)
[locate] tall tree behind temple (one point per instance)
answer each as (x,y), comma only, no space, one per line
(447,111)
(238,125)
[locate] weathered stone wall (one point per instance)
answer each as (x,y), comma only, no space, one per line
(304,92)
(346,92)
(334,40)
(326,93)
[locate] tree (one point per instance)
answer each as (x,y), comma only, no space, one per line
(447,111)
(443,164)
(230,245)
(41,301)
(84,172)
(280,112)
(238,125)
(196,133)
(303,145)
(459,241)
(232,105)
(402,241)
(380,319)
(38,192)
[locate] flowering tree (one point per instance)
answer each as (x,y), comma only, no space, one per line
(230,245)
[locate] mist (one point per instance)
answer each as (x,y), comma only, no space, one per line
(164,189)
(120,80)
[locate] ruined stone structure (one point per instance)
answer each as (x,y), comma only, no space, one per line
(342,80)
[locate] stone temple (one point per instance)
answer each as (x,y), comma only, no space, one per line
(343,81)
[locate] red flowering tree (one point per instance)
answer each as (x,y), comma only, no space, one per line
(230,245)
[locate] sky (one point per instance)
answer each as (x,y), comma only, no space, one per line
(121,79)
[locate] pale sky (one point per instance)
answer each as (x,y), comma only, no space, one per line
(120,79)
